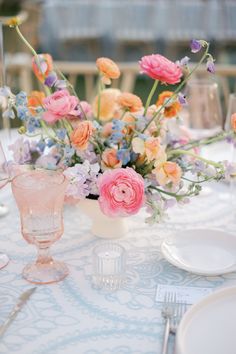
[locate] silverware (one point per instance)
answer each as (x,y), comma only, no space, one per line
(179,311)
(167,314)
(20,303)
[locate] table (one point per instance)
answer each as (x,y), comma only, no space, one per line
(72,317)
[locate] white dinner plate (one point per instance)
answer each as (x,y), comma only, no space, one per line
(209,326)
(201,251)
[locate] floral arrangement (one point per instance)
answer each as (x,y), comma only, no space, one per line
(124,152)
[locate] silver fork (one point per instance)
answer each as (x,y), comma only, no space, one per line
(180,309)
(168,313)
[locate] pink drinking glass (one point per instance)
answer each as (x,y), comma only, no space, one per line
(39,195)
(4,178)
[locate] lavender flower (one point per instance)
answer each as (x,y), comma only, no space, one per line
(141,122)
(47,161)
(9,114)
(83,180)
(5,91)
(88,154)
(195,45)
(21,151)
(230,169)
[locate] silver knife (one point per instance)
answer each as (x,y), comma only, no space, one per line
(12,315)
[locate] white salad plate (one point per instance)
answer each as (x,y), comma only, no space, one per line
(201,251)
(208,327)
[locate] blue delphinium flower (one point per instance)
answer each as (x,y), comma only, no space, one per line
(117,131)
(22,113)
(61,133)
(41,145)
(69,152)
(21,99)
(123,155)
(50,143)
(118,125)
(32,125)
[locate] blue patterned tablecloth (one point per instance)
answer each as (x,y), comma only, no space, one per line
(72,317)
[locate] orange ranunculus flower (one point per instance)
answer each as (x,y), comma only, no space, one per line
(130,122)
(130,102)
(46,65)
(108,104)
(233,122)
(168,172)
(110,160)
(107,130)
(35,100)
(172,108)
(81,135)
(108,69)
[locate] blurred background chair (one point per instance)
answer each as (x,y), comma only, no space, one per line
(76,32)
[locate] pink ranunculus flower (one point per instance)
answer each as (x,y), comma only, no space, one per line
(160,68)
(59,105)
(87,108)
(121,192)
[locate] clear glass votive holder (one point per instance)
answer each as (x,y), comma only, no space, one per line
(109,266)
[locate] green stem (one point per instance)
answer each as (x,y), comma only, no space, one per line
(150,96)
(96,144)
(27,43)
(47,90)
(206,141)
(68,126)
(189,153)
(164,192)
(197,182)
(123,114)
(53,137)
(178,88)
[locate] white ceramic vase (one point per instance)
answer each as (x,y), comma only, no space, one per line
(102,225)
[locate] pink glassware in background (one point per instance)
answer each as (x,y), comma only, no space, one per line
(39,195)
(4,178)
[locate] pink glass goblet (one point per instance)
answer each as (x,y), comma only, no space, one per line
(39,195)
(4,179)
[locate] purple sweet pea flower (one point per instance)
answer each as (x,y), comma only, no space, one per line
(195,46)
(183,62)
(60,84)
(51,79)
(182,99)
(211,66)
